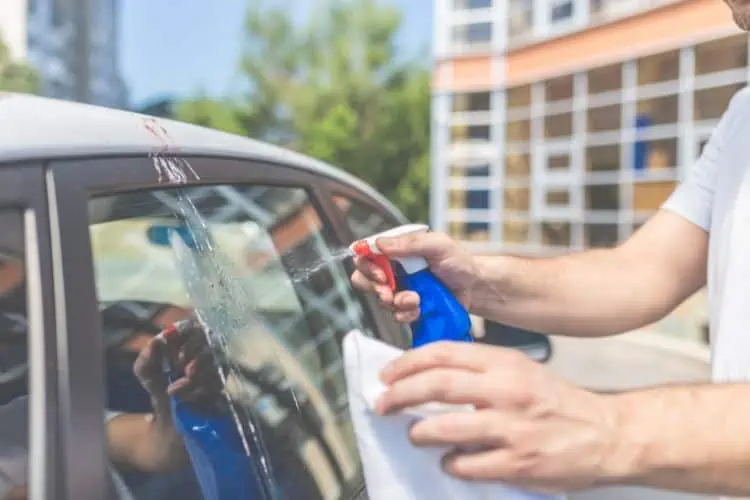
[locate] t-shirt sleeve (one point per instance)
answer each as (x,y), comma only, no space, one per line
(693,199)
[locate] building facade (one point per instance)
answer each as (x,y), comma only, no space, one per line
(564,124)
(73,44)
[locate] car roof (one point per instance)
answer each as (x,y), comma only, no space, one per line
(38,128)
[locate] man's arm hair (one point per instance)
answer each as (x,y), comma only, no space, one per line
(597,292)
(688,438)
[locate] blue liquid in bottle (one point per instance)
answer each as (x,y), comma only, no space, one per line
(442,317)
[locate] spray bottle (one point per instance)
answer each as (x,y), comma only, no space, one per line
(212,439)
(442,317)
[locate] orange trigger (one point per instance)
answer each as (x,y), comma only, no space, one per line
(384,263)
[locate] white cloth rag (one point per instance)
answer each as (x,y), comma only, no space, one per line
(394,468)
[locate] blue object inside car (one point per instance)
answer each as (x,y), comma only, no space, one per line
(159,234)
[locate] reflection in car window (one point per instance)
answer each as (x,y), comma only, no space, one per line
(364,221)
(14,401)
(279,348)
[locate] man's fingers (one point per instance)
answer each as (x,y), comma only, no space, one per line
(484,428)
(406,307)
(406,301)
(459,355)
(496,464)
(361,282)
(407,316)
(370,270)
(439,385)
(149,358)
(192,348)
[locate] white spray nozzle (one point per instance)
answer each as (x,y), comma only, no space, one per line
(368,247)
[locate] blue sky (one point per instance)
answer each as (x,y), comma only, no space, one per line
(178,47)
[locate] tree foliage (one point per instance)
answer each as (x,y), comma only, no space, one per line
(16,76)
(333,87)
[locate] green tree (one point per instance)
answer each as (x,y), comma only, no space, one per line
(211,113)
(16,76)
(333,86)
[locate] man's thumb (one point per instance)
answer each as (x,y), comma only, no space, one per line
(428,245)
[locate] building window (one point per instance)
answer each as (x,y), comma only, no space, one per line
(478,200)
(470,132)
(473,101)
(560,10)
(473,34)
(556,234)
(520,17)
(710,104)
(721,55)
(470,231)
(471,4)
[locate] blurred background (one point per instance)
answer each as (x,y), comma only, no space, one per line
(524,126)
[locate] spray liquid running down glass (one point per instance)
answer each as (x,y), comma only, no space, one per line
(225,445)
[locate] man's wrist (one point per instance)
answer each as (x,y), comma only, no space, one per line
(624,460)
(489,280)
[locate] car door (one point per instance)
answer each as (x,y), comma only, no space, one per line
(269,243)
(28,356)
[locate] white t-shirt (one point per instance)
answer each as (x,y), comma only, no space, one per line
(14,451)
(716,197)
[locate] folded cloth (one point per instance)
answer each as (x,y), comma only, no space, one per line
(394,468)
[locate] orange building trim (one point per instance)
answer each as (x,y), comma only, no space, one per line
(670,26)
(465,74)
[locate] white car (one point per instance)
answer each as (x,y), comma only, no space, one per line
(90,199)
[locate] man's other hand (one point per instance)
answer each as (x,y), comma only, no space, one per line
(531,428)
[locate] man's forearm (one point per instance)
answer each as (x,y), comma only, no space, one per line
(599,292)
(594,293)
(147,442)
(694,439)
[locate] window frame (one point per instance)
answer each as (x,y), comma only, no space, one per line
(22,188)
(73,182)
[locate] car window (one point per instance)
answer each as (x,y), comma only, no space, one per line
(252,278)
(14,400)
(364,221)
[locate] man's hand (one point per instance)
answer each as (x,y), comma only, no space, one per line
(151,443)
(448,260)
(187,351)
(530,428)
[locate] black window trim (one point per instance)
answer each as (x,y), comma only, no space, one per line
(22,188)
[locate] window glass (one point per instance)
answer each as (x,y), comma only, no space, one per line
(262,303)
(364,221)
(472,101)
(14,401)
(472,4)
(473,34)
(561,11)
